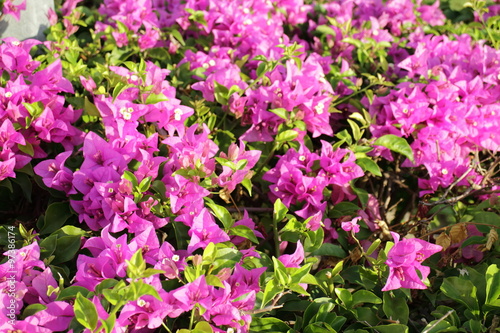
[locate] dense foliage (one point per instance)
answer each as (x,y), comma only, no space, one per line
(252,166)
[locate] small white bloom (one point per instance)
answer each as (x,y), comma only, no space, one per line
(320,108)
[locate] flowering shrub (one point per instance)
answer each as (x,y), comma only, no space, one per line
(252,166)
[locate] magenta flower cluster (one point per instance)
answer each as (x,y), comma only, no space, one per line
(146,169)
(451,109)
(297,179)
(32,109)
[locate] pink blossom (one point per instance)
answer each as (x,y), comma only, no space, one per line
(404,259)
(351,225)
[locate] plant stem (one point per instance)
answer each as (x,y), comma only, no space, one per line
(276,238)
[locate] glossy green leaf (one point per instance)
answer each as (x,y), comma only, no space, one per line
(396,144)
(492,285)
(287,135)
(221,213)
(462,291)
(71,292)
(367,164)
(243,231)
(32,309)
(85,312)
(55,216)
(329,249)
(395,306)
(365,296)
(279,211)
(272,289)
(392,328)
(268,325)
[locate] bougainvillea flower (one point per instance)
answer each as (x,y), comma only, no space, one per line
(404,259)
(351,225)
(295,259)
(193,293)
(56,317)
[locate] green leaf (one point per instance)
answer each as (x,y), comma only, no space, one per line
(366,315)
(156,98)
(85,312)
(177,35)
(7,184)
(376,243)
(226,257)
(437,326)
(462,291)
(243,231)
(32,309)
(247,183)
(55,216)
(105,284)
(221,213)
(221,93)
(280,112)
(314,240)
(287,135)
(473,240)
(109,323)
(395,306)
(159,53)
(325,30)
(144,185)
(119,88)
(24,182)
(279,211)
(202,327)
(35,109)
(213,280)
(356,42)
(90,108)
(297,274)
(27,149)
(71,292)
(486,218)
(329,249)
(356,131)
(492,285)
(365,296)
(344,208)
(396,144)
(272,289)
(280,272)
(442,311)
(318,308)
(136,265)
(392,328)
(130,177)
(318,328)
(367,164)
(268,325)
(474,326)
(145,289)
